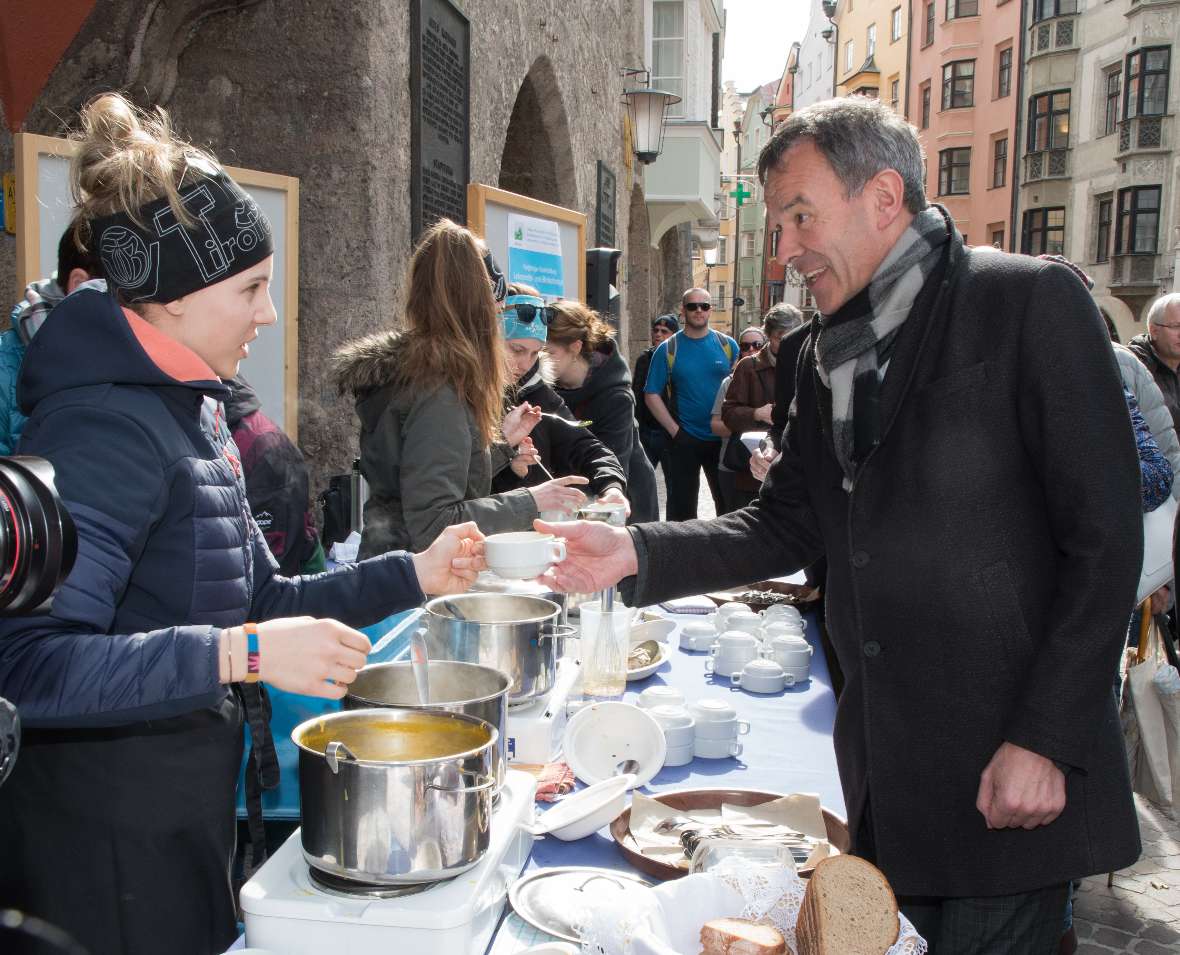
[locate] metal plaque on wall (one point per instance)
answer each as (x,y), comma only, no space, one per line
(605,217)
(440,102)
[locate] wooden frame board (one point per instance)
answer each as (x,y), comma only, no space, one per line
(43,209)
(487,208)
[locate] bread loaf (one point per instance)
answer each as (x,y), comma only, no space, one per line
(741,937)
(848,909)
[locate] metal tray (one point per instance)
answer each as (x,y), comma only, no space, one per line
(542,898)
(690,799)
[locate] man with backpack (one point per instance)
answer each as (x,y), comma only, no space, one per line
(692,364)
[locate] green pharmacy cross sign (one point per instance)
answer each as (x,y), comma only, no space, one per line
(741,194)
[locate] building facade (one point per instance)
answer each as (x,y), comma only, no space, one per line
(817,59)
(871,49)
(713,269)
(751,214)
(1100,166)
(684,40)
(963,98)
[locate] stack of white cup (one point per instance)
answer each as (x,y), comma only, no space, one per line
(679,732)
(717,729)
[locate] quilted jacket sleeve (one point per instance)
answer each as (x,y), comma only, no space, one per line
(357,594)
(64,667)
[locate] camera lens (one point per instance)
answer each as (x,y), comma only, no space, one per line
(38,542)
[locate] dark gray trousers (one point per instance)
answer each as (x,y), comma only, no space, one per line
(1029,923)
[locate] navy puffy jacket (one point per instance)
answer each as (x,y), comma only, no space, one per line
(168,553)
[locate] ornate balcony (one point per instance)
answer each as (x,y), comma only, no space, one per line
(1049,36)
(1144,134)
(1046,164)
(1133,270)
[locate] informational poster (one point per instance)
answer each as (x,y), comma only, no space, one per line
(534,254)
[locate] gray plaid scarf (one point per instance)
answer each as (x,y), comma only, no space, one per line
(853,346)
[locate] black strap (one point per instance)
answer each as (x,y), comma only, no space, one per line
(262,768)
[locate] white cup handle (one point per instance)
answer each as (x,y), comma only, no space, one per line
(789,679)
(557,555)
(735,749)
(743,728)
(709,665)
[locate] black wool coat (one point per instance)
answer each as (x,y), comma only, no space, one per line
(981,571)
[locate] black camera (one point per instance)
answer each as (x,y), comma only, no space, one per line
(38,544)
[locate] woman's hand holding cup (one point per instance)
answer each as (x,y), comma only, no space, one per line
(452,562)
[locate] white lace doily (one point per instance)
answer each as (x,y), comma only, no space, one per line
(629,926)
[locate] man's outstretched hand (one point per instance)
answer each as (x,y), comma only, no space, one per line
(597,556)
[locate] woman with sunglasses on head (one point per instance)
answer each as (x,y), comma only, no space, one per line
(430,399)
(595,383)
(118,821)
(558,443)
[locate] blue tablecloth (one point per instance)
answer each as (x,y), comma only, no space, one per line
(788,749)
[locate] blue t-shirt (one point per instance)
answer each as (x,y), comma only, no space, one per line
(700,367)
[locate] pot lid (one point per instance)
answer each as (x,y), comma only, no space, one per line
(556,900)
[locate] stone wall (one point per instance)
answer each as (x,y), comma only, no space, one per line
(319,89)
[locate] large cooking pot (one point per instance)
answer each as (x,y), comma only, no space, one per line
(455,687)
(490,583)
(515,633)
(395,797)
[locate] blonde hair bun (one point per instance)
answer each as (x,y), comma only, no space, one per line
(127,157)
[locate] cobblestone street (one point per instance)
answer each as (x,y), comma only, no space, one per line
(1140,913)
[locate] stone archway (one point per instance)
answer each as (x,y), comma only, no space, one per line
(538,158)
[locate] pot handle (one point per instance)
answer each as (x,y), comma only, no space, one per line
(557,631)
(335,753)
(485,782)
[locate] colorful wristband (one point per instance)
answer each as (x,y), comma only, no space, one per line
(253,657)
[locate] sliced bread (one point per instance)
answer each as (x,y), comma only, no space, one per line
(848,909)
(741,937)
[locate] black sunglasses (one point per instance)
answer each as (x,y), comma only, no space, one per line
(693,306)
(526,313)
(751,346)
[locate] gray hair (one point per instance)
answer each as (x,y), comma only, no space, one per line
(859,136)
(782,316)
(1159,308)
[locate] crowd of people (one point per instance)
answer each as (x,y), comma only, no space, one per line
(952,448)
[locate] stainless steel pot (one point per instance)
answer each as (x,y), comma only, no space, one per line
(490,583)
(466,688)
(395,797)
(514,633)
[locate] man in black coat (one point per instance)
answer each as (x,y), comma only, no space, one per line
(976,492)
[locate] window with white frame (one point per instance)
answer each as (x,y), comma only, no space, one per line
(871,40)
(895,25)
(722,251)
(847,56)
(667,50)
(747,245)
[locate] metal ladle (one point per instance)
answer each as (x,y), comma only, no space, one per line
(420,663)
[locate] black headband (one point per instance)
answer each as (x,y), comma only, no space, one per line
(162,261)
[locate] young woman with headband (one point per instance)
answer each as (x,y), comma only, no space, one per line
(117,823)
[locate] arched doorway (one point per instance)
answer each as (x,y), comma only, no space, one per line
(538,160)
